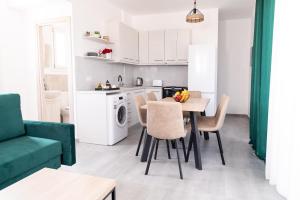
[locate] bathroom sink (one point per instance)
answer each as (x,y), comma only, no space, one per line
(52,94)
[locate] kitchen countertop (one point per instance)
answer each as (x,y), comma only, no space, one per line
(125,89)
(122,89)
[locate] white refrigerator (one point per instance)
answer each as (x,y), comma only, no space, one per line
(202,73)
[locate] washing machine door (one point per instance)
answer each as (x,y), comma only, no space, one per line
(121,115)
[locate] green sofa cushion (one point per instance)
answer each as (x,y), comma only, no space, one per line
(11,122)
(24,153)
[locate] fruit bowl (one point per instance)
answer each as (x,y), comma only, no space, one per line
(181,97)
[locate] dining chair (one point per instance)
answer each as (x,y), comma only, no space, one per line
(214,124)
(193,94)
(142,115)
(165,122)
(151,96)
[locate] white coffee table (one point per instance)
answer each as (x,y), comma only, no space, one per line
(50,184)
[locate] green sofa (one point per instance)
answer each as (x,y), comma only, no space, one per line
(26,146)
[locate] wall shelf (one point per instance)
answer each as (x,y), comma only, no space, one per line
(98,58)
(96,39)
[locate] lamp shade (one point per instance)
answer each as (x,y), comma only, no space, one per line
(194,16)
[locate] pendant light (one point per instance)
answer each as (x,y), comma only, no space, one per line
(194,16)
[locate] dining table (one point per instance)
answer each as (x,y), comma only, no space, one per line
(193,106)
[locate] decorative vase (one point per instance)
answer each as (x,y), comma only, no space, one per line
(108,56)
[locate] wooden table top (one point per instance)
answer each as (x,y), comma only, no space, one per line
(191,105)
(50,184)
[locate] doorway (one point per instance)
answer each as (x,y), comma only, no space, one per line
(55,70)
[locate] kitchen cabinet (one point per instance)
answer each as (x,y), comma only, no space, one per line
(133,117)
(164,47)
(144,47)
(171,46)
(126,42)
(156,47)
(183,42)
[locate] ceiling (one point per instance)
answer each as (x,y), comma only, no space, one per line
(228,8)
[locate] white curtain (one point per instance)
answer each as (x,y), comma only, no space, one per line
(283,145)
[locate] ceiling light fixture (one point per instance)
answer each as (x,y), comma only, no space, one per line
(194,16)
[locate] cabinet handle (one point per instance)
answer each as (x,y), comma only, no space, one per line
(158,60)
(171,60)
(182,60)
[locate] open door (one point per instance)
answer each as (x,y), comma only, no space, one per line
(55,70)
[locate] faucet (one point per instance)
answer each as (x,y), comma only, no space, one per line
(120,81)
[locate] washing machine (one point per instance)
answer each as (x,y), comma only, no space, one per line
(117,117)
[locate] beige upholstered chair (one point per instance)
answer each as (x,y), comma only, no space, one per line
(165,122)
(142,114)
(151,96)
(215,123)
(195,94)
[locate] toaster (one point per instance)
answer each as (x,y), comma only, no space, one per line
(157,83)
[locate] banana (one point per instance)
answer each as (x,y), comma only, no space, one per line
(182,98)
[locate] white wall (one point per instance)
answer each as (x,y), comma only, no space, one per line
(204,32)
(171,75)
(18,51)
(234,72)
(93,15)
(16,73)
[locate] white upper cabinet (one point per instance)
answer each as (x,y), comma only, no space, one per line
(144,47)
(171,38)
(128,44)
(156,47)
(169,47)
(183,42)
(126,39)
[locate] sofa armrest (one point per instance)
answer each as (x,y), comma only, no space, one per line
(57,131)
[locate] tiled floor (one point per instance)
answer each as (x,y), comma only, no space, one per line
(241,179)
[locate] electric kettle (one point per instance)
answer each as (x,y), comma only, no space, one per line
(139,81)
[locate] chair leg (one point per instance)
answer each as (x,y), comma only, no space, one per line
(156,148)
(140,141)
(168,148)
(183,147)
(178,158)
(150,156)
(220,147)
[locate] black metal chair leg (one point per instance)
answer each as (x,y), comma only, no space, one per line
(150,156)
(113,194)
(172,144)
(206,136)
(183,147)
(220,147)
(168,148)
(178,158)
(156,148)
(140,141)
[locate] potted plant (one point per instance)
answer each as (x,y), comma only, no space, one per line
(107,53)
(97,34)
